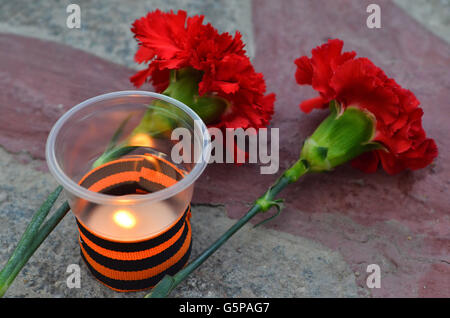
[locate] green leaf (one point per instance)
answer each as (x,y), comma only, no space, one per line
(279,205)
(117,134)
(163,288)
(113,154)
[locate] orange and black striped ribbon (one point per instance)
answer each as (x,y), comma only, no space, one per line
(132,266)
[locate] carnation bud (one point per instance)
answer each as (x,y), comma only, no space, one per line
(342,136)
(184,87)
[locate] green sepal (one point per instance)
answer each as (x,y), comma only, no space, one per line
(184,87)
(278,204)
(209,108)
(161,117)
(342,136)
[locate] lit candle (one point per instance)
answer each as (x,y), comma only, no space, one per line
(132,210)
(129,217)
(121,242)
(129,223)
(125,219)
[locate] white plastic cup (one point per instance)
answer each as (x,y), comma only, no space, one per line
(82,134)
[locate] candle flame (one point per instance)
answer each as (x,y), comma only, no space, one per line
(124,219)
(141,140)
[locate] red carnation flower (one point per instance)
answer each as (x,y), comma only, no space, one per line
(359,83)
(216,62)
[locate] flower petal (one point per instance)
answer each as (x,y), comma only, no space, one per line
(359,83)
(308,105)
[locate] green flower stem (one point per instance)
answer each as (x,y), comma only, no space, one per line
(154,122)
(25,250)
(34,234)
(262,204)
(28,238)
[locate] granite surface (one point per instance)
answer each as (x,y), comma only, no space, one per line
(433,14)
(105,24)
(322,243)
(400,222)
(298,267)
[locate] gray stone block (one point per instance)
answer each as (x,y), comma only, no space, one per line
(105,25)
(255,262)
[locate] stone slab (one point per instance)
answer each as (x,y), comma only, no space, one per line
(400,222)
(40,81)
(297,267)
(105,24)
(433,14)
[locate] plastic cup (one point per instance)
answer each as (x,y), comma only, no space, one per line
(83,134)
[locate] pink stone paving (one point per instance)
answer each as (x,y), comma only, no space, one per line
(399,222)
(40,81)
